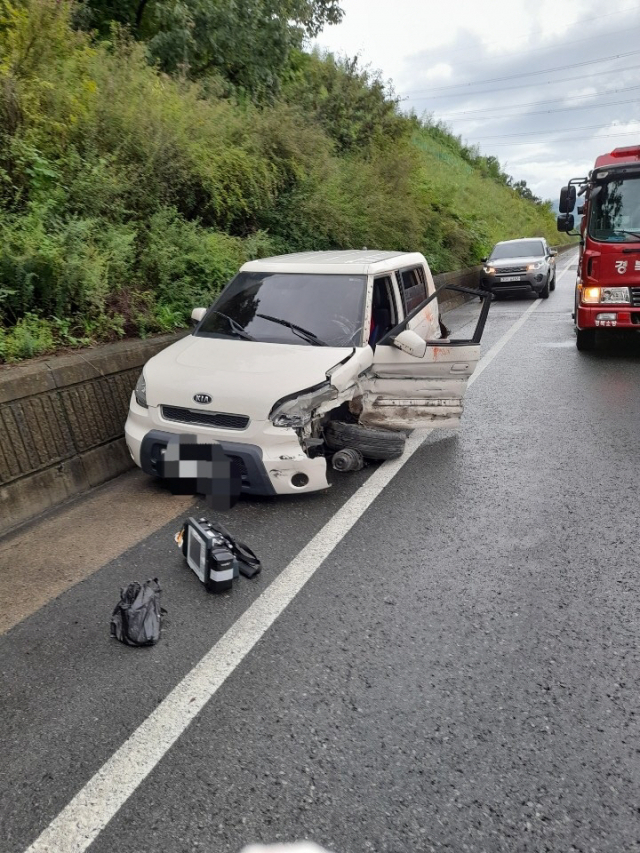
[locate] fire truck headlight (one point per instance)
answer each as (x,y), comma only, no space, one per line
(591,295)
(615,294)
(606,295)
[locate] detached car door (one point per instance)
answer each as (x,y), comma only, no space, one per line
(415,381)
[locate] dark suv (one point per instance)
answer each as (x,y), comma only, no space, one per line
(520,266)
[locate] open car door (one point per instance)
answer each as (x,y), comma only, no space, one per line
(414,383)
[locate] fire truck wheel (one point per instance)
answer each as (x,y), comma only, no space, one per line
(586,339)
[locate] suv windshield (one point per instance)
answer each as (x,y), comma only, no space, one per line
(312,308)
(615,212)
(518,249)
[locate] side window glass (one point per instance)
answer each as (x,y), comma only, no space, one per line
(383,310)
(413,287)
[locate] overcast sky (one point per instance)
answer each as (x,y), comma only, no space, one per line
(543,86)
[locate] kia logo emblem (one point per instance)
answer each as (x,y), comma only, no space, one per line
(202,398)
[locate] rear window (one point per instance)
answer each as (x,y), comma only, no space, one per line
(518,249)
(413,287)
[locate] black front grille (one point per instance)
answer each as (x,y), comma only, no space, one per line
(222,420)
(635,297)
(509,270)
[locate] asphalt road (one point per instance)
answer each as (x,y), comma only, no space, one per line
(460,673)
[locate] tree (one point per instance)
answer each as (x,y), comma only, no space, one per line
(524,192)
(248,42)
(353,104)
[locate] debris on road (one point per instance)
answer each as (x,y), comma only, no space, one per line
(136,618)
(214,555)
(348,459)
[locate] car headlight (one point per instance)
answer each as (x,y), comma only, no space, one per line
(537,265)
(296,410)
(489,270)
(141,392)
(601,295)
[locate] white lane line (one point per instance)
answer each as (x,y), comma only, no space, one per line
(486,360)
(82,820)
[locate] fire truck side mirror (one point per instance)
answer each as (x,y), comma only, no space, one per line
(565,222)
(567,199)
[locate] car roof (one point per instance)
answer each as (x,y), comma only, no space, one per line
(349,262)
(521,240)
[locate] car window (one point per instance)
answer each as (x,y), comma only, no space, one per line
(384,313)
(331,307)
(518,249)
(413,287)
(615,211)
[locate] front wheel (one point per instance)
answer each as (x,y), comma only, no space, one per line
(544,293)
(586,339)
(553,282)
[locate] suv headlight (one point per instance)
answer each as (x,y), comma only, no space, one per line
(296,410)
(141,392)
(488,270)
(537,265)
(603,295)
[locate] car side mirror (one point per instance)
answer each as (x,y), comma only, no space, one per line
(410,342)
(553,253)
(197,314)
(483,260)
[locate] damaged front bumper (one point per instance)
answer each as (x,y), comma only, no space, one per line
(270,459)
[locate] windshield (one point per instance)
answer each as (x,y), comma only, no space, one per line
(615,212)
(315,308)
(517,249)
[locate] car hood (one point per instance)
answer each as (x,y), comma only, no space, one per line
(241,377)
(515,262)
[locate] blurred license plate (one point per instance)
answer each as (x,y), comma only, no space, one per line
(510,278)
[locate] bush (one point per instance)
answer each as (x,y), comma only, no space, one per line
(31,336)
(128,196)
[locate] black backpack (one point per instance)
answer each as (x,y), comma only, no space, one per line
(137,616)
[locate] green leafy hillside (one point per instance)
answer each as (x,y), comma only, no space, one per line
(137,172)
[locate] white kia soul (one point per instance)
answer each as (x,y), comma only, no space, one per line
(301,356)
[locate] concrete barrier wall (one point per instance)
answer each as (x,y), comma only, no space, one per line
(448,299)
(61,425)
(62,419)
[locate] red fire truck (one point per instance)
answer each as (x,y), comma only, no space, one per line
(608,280)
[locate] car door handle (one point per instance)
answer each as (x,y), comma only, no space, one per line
(459,368)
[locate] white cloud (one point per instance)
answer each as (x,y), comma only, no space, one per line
(584,92)
(438,61)
(441,71)
(620,129)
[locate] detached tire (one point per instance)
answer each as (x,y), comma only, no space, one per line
(372,442)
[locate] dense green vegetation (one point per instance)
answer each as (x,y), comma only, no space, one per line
(144,157)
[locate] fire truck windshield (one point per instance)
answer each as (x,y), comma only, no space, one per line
(615,211)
